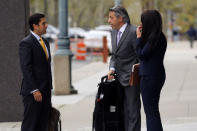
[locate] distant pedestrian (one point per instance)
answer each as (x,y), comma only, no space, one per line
(123,58)
(35,61)
(151,48)
(192,35)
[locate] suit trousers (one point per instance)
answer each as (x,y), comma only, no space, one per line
(150,88)
(132,106)
(36,114)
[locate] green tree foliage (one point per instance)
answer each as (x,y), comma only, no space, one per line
(188,14)
(185,11)
(89,13)
(50,10)
(134,9)
(82,13)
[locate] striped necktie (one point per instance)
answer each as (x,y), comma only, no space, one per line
(44,47)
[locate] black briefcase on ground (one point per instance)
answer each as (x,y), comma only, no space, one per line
(54,120)
(108,113)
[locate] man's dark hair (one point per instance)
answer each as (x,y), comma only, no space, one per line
(121,11)
(35,19)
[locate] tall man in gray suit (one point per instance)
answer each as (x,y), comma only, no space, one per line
(123,58)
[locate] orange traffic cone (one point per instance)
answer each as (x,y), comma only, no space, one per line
(81,51)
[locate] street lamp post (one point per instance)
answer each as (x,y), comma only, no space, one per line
(118,2)
(63,55)
(155,4)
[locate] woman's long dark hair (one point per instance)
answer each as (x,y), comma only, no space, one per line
(151,27)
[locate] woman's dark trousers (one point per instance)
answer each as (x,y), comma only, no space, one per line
(150,87)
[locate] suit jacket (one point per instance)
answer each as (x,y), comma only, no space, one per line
(151,59)
(124,55)
(35,67)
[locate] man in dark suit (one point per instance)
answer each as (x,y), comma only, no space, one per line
(35,61)
(123,58)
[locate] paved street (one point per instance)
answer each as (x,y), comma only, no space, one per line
(178,102)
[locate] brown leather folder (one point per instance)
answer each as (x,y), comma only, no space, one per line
(135,77)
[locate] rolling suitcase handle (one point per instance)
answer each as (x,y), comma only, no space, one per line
(105,78)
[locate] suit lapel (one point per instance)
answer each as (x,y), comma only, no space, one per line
(124,35)
(115,42)
(114,39)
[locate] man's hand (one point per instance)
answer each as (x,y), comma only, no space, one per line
(139,31)
(110,76)
(37,96)
(137,64)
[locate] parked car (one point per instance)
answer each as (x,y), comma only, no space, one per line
(52,33)
(94,39)
(104,28)
(76,32)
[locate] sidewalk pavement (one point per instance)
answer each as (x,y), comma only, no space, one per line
(178,102)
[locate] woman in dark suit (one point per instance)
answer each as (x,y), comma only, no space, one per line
(151,48)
